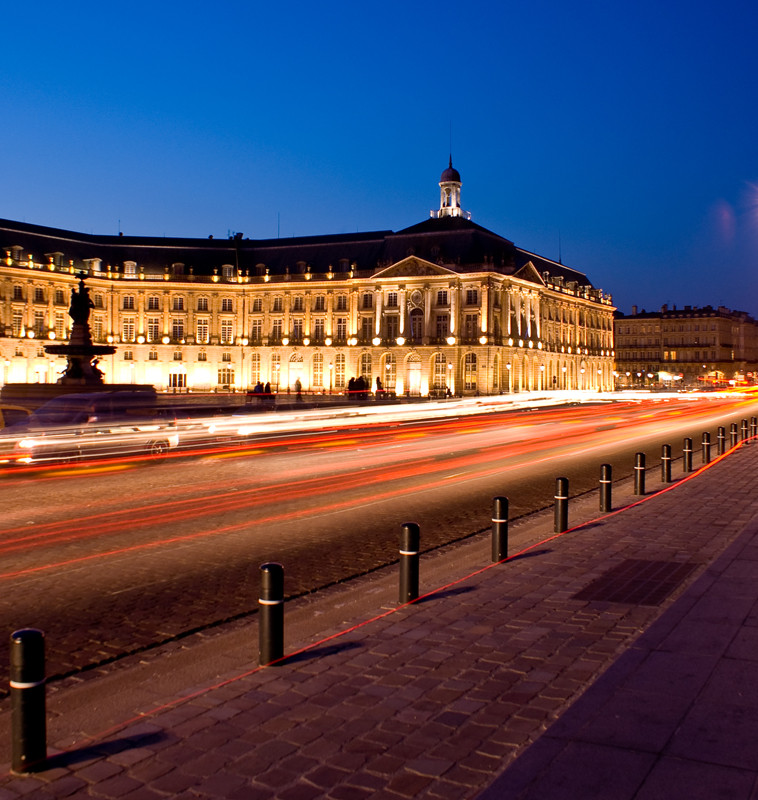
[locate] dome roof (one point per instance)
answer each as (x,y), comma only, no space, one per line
(450,174)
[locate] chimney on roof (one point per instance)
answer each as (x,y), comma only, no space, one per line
(664,308)
(634,311)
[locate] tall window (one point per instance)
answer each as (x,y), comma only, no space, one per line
(17,323)
(366,366)
(177,329)
(469,371)
(154,302)
(97,328)
(443,326)
(227,304)
(278,304)
(297,329)
(439,371)
(60,325)
(202,303)
(391,299)
(18,293)
(178,303)
(368,300)
(227,331)
(60,297)
(391,327)
(318,369)
(256,330)
(339,371)
(417,324)
(471,326)
(341,328)
(255,367)
(39,295)
(297,303)
(341,302)
(128,302)
(276,368)
(202,328)
(390,372)
(39,323)
(367,328)
(127,329)
(318,330)
(257,304)
(276,330)
(442,299)
(319,303)
(472,297)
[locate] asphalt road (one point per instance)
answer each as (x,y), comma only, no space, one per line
(116,557)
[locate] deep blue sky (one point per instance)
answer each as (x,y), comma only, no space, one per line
(628,131)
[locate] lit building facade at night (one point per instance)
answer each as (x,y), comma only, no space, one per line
(444,306)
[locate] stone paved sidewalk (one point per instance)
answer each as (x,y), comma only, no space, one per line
(435,699)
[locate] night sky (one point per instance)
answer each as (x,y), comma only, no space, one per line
(622,134)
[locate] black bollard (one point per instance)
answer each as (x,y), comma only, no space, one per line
(271,614)
(666,463)
(27,689)
(561,504)
(499,529)
(410,542)
(733,437)
(706,447)
(606,472)
(743,430)
(753,426)
(687,455)
(721,440)
(639,473)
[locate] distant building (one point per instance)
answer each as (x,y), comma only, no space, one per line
(690,346)
(443,306)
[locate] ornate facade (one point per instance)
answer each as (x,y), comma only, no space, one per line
(442,306)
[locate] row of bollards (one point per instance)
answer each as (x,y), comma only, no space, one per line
(27,650)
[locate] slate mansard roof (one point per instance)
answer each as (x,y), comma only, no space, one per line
(454,242)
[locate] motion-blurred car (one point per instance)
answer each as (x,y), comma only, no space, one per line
(90,425)
(12,415)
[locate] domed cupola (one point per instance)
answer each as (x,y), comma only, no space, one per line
(450,194)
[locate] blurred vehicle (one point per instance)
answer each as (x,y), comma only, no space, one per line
(11,415)
(90,425)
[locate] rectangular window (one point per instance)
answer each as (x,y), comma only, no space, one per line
(153,329)
(391,327)
(127,329)
(367,328)
(318,370)
(443,326)
(226,376)
(276,330)
(60,297)
(39,323)
(256,330)
(97,329)
(391,299)
(278,304)
(177,329)
(202,331)
(257,304)
(177,355)
(339,371)
(17,322)
(202,303)
(152,355)
(227,304)
(39,295)
(472,297)
(18,293)
(255,368)
(128,355)
(178,304)
(341,302)
(177,380)
(341,328)
(297,329)
(318,330)
(368,300)
(227,331)
(319,303)
(153,303)
(471,326)
(98,300)
(60,325)
(297,303)
(128,302)
(202,356)
(442,297)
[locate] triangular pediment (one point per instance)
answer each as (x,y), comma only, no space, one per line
(529,273)
(412,267)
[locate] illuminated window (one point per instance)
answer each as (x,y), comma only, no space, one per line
(318,369)
(130,268)
(97,328)
(17,323)
(276,330)
(152,355)
(202,356)
(128,355)
(98,300)
(469,371)
(227,357)
(255,368)
(227,331)
(256,330)
(389,374)
(39,323)
(227,270)
(439,371)
(202,328)
(226,376)
(339,371)
(153,329)
(127,329)
(60,325)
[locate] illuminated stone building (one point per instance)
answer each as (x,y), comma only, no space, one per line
(444,305)
(688,346)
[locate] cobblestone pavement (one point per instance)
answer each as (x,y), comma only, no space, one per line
(439,698)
